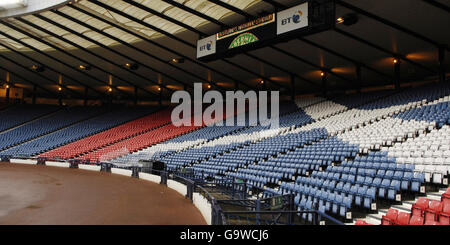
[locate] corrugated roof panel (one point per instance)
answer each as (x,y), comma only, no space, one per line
(202,6)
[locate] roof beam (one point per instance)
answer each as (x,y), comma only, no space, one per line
(276,5)
(343,57)
(112,50)
(26,80)
(52,58)
(438,5)
(171,36)
(390,23)
(194,12)
(64,51)
(39,75)
(48,67)
(140,35)
(143,7)
(375,46)
(232,8)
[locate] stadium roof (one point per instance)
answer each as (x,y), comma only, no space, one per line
(157,34)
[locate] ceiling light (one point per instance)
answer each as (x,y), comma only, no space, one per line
(84,67)
(11,4)
(110,89)
(395,61)
(348,19)
(132,66)
(37,68)
(178,60)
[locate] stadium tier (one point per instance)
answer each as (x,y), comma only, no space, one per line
(111,136)
(70,133)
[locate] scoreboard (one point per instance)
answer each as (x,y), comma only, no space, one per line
(310,17)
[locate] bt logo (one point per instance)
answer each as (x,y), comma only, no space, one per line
(207,46)
(295,18)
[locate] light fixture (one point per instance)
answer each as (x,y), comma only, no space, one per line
(209,86)
(395,61)
(110,89)
(262,82)
(59,88)
(7,86)
(322,74)
(348,19)
(178,60)
(37,68)
(84,67)
(11,4)
(132,66)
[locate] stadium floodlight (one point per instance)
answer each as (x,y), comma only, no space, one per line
(11,4)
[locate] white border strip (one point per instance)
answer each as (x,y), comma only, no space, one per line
(23,161)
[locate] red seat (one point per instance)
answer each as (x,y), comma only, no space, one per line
(416,220)
(360,222)
(420,206)
(431,222)
(444,216)
(446,196)
(390,218)
(403,218)
(433,211)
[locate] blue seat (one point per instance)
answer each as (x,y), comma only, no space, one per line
(381,173)
(330,200)
(419,178)
(360,195)
(407,178)
(370,197)
(385,184)
(394,189)
(345,206)
(336,204)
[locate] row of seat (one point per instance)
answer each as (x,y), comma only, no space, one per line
(423,212)
(111,136)
(44,125)
(112,118)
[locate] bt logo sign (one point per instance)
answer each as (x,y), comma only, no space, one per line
(296,18)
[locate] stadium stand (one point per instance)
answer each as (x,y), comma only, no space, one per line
(77,131)
(340,160)
(112,136)
(20,114)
